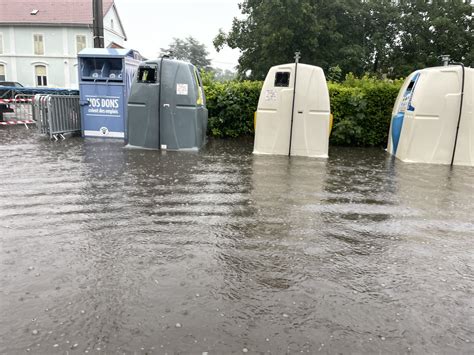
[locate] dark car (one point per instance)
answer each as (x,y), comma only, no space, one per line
(6,94)
(11,84)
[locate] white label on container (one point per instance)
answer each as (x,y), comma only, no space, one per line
(164,146)
(181,89)
(270,95)
(109,106)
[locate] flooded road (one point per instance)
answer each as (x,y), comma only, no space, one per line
(106,250)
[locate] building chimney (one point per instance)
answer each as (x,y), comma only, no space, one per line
(98,24)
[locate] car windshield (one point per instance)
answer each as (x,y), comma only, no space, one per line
(10,83)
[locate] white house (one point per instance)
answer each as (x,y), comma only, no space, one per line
(40,39)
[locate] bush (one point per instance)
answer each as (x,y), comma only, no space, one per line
(231,106)
(361,108)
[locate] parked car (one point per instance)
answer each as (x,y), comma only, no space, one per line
(11,83)
(7,94)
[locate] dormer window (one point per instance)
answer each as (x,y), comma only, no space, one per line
(34,12)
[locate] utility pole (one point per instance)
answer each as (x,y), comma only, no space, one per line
(98,23)
(297,60)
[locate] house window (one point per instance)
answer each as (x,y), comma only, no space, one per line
(1,43)
(40,74)
(38,44)
(2,73)
(80,42)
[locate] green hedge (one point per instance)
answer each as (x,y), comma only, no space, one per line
(231,106)
(361,108)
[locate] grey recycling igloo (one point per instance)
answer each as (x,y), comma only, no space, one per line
(167,107)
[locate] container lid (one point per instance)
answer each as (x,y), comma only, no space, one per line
(107,52)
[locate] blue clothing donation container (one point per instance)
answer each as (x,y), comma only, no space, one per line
(105,78)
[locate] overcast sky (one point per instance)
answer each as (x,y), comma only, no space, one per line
(152,24)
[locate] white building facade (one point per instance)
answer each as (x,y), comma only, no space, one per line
(43,52)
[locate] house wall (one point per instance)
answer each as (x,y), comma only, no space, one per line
(112,28)
(60,51)
(60,57)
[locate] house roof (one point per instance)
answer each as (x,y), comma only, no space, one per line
(72,12)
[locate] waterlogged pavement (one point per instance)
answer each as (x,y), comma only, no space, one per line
(106,250)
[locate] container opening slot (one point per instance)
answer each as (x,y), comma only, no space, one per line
(282,79)
(91,68)
(147,75)
(112,69)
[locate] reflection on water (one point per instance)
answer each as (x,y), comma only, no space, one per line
(107,250)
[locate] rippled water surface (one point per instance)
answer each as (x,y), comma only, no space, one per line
(106,250)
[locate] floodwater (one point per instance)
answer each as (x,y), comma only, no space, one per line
(106,250)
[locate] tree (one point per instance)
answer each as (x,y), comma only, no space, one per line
(381,26)
(189,50)
(428,31)
(223,74)
(327,33)
(374,36)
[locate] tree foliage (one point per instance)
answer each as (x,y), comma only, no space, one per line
(428,31)
(190,50)
(219,74)
(377,36)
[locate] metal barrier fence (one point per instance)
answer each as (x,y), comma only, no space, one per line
(16,111)
(57,114)
(23,107)
(40,113)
